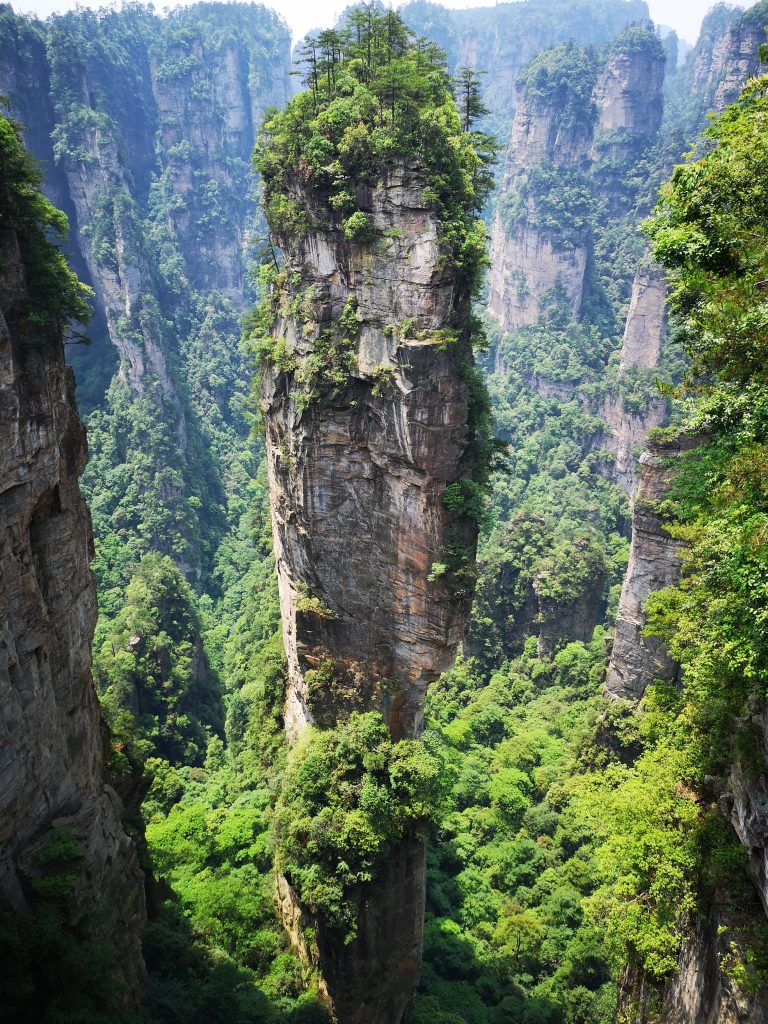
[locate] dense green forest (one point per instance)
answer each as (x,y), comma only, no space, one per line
(568,836)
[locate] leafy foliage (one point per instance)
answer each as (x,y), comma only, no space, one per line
(55,296)
(151,668)
(349,795)
(376,96)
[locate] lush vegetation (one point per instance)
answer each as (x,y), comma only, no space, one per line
(376,96)
(566,839)
(713,622)
(54,294)
(349,795)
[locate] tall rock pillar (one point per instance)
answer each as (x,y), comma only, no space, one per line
(369,405)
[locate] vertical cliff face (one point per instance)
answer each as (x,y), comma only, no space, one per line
(51,762)
(210,102)
(628,93)
(701,992)
(628,425)
(654,563)
(703,988)
(582,123)
(628,97)
(357,475)
(725,56)
(368,421)
(552,134)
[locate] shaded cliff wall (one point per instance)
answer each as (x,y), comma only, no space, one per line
(701,992)
(145,126)
(358,467)
(51,744)
(654,563)
(582,126)
(552,136)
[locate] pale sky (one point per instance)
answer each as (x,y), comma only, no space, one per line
(682,15)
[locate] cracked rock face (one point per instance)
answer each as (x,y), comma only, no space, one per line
(357,478)
(51,757)
(371,613)
(700,992)
(654,563)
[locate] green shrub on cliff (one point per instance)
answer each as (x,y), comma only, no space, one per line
(55,295)
(348,796)
(376,97)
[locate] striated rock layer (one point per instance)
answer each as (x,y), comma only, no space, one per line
(368,556)
(654,563)
(700,992)
(51,744)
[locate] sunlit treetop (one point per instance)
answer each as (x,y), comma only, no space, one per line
(375,95)
(710,230)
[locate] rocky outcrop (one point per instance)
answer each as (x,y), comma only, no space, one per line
(368,556)
(745,799)
(654,563)
(527,265)
(628,93)
(701,991)
(646,321)
(372,981)
(581,123)
(628,422)
(725,56)
(51,760)
(628,431)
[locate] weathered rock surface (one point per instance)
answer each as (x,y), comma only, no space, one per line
(390,932)
(51,760)
(528,262)
(526,265)
(628,93)
(654,563)
(356,475)
(591,142)
(725,56)
(628,97)
(499,40)
(700,992)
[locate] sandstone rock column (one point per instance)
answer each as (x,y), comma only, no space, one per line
(654,563)
(369,418)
